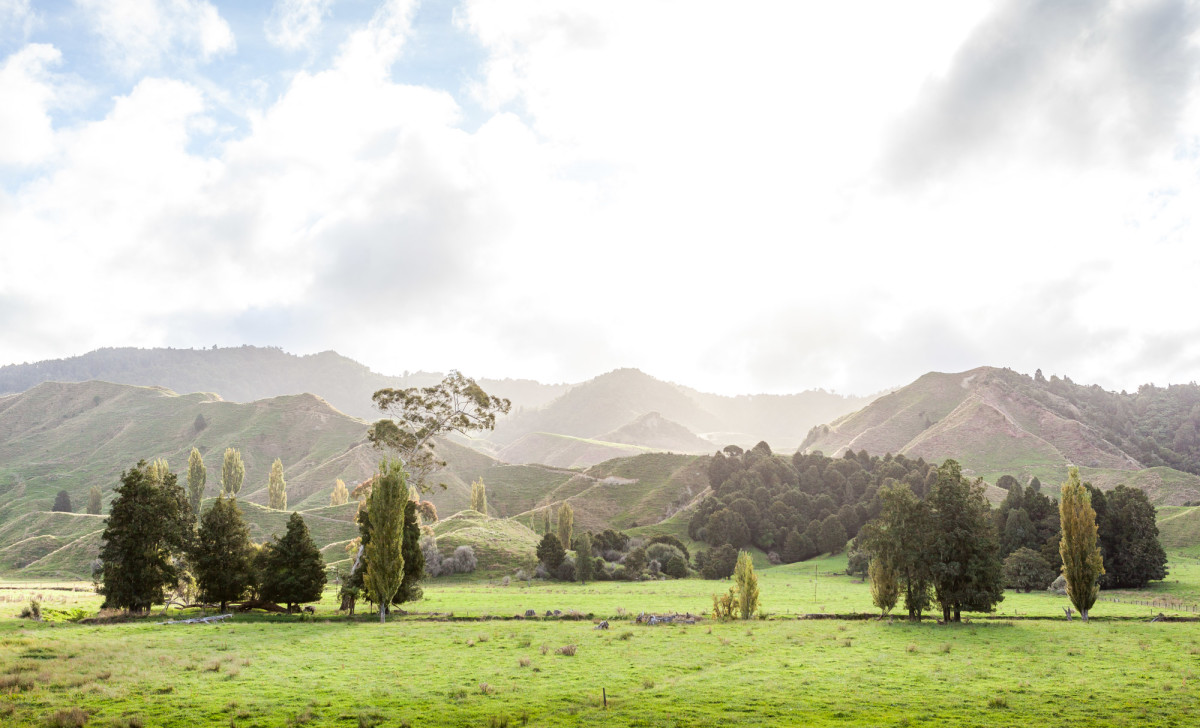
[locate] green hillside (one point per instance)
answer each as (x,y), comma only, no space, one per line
(565,451)
(996,422)
(501,545)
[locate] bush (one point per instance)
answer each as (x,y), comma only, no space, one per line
(1026,570)
(566,570)
(434,565)
(540,572)
(33,611)
(568,650)
(717,563)
(663,552)
(654,568)
(464,559)
(670,541)
(675,568)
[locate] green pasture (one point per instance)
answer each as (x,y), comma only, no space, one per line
(1022,665)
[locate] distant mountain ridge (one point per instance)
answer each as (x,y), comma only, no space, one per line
(996,422)
(249,374)
(590,410)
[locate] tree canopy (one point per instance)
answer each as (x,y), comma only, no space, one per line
(417,415)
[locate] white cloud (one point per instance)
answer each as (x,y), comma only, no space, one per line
(16,15)
(704,192)
(293,23)
(29,92)
(142,34)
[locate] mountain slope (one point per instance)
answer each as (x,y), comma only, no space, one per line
(994,422)
(250,373)
(655,431)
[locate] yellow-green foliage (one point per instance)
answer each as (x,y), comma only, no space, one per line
(276,487)
(747,585)
(340,495)
(1082,563)
(885,588)
(479,496)
(233,470)
(385,561)
(566,523)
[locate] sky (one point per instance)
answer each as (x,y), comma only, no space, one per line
(740,197)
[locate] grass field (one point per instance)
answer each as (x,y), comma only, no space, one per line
(1024,664)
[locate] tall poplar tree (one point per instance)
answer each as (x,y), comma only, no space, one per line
(746,582)
(546,520)
(233,471)
(479,496)
(197,478)
(95,500)
(885,588)
(584,564)
(385,558)
(566,523)
(1079,548)
(276,487)
(340,495)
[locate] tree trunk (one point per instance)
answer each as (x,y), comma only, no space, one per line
(382,613)
(223,607)
(1083,614)
(957,613)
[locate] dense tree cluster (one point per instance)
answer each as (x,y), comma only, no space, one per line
(943,547)
(797,507)
(151,545)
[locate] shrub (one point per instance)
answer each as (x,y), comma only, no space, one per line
(33,611)
(464,559)
(566,570)
(1026,570)
(675,567)
(69,718)
(433,557)
(654,568)
(718,563)
(567,650)
(505,581)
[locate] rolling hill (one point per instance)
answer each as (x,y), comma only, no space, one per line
(996,422)
(251,373)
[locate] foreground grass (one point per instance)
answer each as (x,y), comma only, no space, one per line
(279,670)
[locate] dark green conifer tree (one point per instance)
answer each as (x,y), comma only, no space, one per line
(149,523)
(293,568)
(221,560)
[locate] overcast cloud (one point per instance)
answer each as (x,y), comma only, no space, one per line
(758,197)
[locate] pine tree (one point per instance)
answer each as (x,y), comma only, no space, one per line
(197,478)
(1082,564)
(340,495)
(479,497)
(276,487)
(746,583)
(550,552)
(95,500)
(384,552)
(566,522)
(885,588)
(222,557)
(583,558)
(62,502)
(294,571)
(233,471)
(149,524)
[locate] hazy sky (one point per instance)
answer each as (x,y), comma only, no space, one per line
(740,197)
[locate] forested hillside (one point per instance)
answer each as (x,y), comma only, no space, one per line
(997,421)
